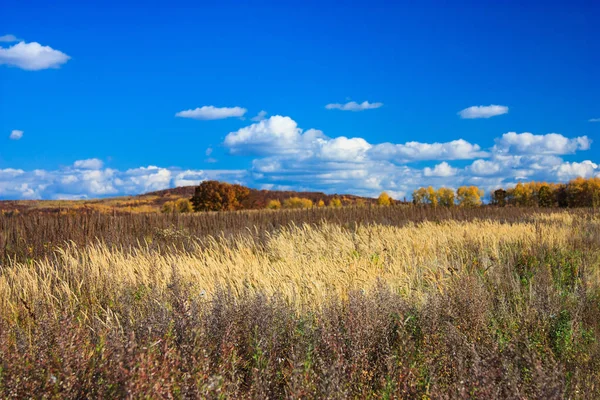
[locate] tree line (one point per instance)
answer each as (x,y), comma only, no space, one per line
(465,196)
(579,192)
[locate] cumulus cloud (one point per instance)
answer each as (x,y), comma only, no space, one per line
(414,151)
(291,157)
(286,156)
(279,135)
(79,181)
(275,135)
(212,112)
(483,111)
(570,170)
(9,39)
(551,143)
(353,106)
(260,116)
(16,134)
(32,56)
(443,169)
(90,163)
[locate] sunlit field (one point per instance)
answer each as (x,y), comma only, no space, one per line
(372,302)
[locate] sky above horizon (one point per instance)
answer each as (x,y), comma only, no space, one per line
(111,98)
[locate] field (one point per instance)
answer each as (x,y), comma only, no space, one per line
(356,302)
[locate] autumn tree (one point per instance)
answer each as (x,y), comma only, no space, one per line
(469,196)
(297,202)
(498,197)
(184,206)
(420,196)
(384,199)
(445,197)
(431,196)
(274,204)
(545,196)
(217,196)
(335,202)
(168,207)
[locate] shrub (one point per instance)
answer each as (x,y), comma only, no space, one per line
(168,207)
(297,202)
(184,206)
(335,202)
(274,205)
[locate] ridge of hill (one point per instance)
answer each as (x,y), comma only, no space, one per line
(152,202)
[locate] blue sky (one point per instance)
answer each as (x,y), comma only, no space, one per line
(89,95)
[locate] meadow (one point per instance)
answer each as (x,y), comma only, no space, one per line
(356,302)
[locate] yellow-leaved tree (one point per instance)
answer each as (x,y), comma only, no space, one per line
(335,202)
(297,202)
(445,197)
(420,196)
(274,204)
(184,206)
(469,196)
(431,196)
(384,199)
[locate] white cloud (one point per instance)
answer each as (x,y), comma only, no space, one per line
(551,143)
(279,135)
(343,149)
(485,167)
(90,163)
(570,170)
(16,134)
(9,39)
(483,111)
(353,106)
(594,120)
(275,135)
(442,170)
(211,112)
(286,156)
(80,182)
(414,151)
(260,116)
(32,56)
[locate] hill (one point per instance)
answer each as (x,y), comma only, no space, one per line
(153,201)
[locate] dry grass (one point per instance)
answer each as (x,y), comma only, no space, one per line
(466,304)
(306,264)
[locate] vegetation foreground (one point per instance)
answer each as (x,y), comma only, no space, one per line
(380,302)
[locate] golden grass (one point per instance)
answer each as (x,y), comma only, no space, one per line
(307,264)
